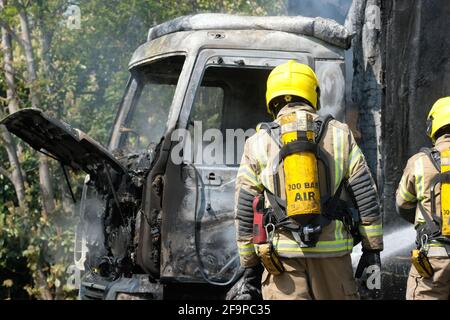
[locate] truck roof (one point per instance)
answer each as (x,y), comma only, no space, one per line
(321,38)
(324,29)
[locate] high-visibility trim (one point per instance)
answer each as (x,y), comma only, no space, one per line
(266,180)
(355,156)
(246,249)
(259,151)
(263,178)
(420,184)
(338,150)
(435,244)
(371,231)
(419,217)
(246,172)
(267,164)
(338,232)
(258,126)
(246,169)
(321,246)
(405,194)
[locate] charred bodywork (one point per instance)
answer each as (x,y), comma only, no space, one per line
(112,195)
(151,227)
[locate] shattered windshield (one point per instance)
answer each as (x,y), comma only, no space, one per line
(146,121)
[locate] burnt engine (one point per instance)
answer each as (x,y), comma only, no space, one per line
(111,210)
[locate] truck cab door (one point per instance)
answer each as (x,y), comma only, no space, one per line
(224,102)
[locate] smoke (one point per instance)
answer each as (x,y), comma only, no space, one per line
(332,9)
(90,232)
(397,244)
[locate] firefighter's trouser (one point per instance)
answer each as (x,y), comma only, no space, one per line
(312,278)
(434,288)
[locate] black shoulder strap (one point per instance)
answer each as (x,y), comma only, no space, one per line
(434,157)
(278,208)
(268,125)
(432,226)
(271,128)
(331,204)
(322,124)
(433,222)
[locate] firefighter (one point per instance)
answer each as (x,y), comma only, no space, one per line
(302,165)
(423,198)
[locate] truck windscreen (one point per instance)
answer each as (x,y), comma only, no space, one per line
(146,121)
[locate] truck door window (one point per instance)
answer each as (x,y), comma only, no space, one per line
(209,105)
(229,98)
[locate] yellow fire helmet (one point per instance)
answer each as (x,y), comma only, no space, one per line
(293,79)
(438,117)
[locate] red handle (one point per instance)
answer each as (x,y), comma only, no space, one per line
(259,232)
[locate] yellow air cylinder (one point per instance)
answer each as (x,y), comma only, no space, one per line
(445,194)
(300,169)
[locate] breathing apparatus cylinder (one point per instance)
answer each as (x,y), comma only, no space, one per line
(300,168)
(445,194)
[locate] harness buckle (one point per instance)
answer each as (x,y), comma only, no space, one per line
(310,230)
(270,234)
(424,246)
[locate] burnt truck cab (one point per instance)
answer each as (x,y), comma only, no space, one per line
(157,209)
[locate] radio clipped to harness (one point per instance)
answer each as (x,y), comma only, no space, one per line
(262,237)
(420,261)
(300,166)
(266,252)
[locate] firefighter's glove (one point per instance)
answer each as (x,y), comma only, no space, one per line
(368,258)
(249,285)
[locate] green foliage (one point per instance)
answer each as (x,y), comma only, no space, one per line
(81,78)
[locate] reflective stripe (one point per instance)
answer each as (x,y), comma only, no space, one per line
(258,126)
(338,150)
(247,249)
(371,231)
(246,172)
(420,186)
(245,169)
(437,251)
(266,176)
(259,150)
(264,161)
(419,217)
(338,230)
(321,246)
(266,179)
(405,194)
(436,244)
(354,157)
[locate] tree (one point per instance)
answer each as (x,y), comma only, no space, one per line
(77,75)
